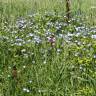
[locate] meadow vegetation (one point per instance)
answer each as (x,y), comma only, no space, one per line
(43,55)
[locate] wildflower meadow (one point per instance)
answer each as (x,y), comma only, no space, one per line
(47,48)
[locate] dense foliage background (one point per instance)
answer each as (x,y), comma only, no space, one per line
(42,54)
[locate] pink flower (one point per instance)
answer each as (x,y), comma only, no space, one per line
(52,40)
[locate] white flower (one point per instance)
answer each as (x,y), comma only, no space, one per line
(78,34)
(61,35)
(94,56)
(30,81)
(23,50)
(58,50)
(24,67)
(19,39)
(9,76)
(37,39)
(78,28)
(25,55)
(69,34)
(93,36)
(33,62)
(30,34)
(9,67)
(44,62)
(26,90)
(18,44)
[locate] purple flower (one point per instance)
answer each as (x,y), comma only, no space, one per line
(52,40)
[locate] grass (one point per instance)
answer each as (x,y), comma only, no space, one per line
(19,7)
(43,55)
